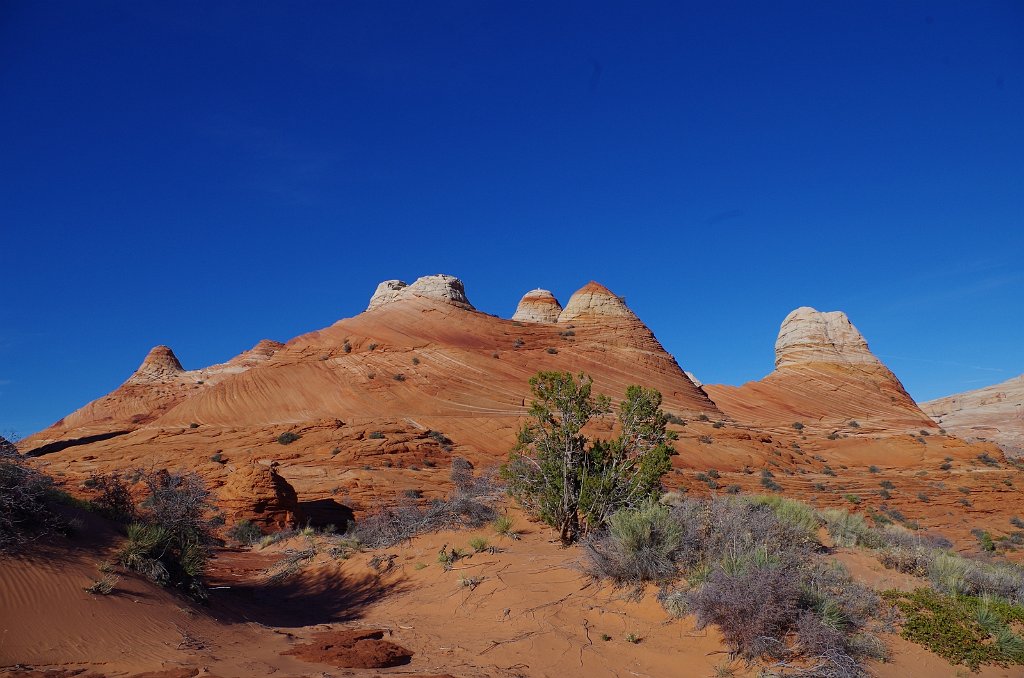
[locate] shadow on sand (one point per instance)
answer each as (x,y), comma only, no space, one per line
(302,599)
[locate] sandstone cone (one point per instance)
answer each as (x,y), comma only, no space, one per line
(538,306)
(160,364)
(594,301)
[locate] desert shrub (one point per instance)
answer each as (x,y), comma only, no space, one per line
(873,469)
(732,489)
(112,495)
(23,493)
(376,435)
(639,545)
(552,350)
(398,377)
(795,513)
(287,438)
(753,606)
(887,485)
(413,493)
(984,540)
(987,459)
(471,504)
(444,441)
(798,426)
(245,532)
(478,544)
(504,526)
(827,470)
(103,586)
(850,529)
(575,484)
(852,498)
(968,630)
(372,347)
(169,542)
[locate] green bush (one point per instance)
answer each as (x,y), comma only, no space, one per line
(575,484)
(639,545)
(287,438)
(961,629)
(245,532)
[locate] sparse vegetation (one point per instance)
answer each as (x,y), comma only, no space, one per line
(962,629)
(103,586)
(288,437)
(23,494)
(469,505)
(988,460)
(245,532)
(376,435)
(798,426)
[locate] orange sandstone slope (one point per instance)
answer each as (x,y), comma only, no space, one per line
(420,354)
(994,413)
(825,377)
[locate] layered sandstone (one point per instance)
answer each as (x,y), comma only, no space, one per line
(592,302)
(258,493)
(419,369)
(160,364)
(538,306)
(994,413)
(825,376)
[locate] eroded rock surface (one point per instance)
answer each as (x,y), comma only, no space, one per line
(538,306)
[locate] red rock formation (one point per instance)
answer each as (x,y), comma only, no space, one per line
(825,376)
(257,492)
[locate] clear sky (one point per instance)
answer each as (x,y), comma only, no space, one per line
(207,174)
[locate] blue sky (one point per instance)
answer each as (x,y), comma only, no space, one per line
(209,174)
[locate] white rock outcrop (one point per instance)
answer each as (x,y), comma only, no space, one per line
(811,336)
(386,292)
(446,288)
(538,306)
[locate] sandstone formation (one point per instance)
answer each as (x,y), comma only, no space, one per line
(386,292)
(412,381)
(538,306)
(825,377)
(994,413)
(159,365)
(808,336)
(257,492)
(440,287)
(592,302)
